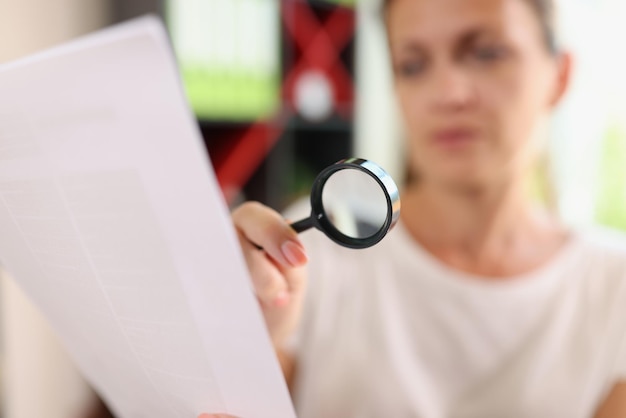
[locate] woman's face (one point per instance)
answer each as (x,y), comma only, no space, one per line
(475,81)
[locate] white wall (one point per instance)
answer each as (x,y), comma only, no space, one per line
(30,25)
(378,133)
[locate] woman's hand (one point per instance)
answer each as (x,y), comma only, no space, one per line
(276,269)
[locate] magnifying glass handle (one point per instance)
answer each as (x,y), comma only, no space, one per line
(303,225)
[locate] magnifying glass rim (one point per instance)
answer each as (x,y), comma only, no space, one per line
(384,180)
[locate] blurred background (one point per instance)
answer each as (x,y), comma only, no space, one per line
(283,88)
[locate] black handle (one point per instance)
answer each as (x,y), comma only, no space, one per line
(303,225)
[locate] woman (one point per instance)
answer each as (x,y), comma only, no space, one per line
(478,304)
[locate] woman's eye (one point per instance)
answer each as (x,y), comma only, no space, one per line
(488,53)
(410,68)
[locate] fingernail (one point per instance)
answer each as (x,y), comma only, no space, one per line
(281,299)
(294,253)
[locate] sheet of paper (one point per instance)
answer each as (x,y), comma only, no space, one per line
(112,222)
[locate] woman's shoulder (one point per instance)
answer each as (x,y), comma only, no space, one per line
(605,242)
(605,263)
(601,263)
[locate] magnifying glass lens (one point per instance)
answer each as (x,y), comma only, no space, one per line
(354,203)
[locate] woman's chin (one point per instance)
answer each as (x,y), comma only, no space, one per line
(465,180)
(463,174)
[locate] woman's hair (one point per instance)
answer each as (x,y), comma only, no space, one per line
(545,11)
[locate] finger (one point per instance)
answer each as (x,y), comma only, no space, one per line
(294,276)
(269,282)
(266,228)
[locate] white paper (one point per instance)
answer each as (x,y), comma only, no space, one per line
(112,222)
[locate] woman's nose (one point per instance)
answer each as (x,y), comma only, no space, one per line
(452,89)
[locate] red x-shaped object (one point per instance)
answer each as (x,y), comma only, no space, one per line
(321,44)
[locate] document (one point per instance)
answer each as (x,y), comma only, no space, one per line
(111,220)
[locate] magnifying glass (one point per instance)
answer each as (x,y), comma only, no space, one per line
(354,202)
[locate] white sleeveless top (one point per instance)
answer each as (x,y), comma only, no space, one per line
(392,332)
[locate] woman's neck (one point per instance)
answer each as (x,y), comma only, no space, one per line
(490,231)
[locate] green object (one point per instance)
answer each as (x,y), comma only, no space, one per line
(231,95)
(611,202)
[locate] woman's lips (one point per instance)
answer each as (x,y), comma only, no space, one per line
(454,137)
